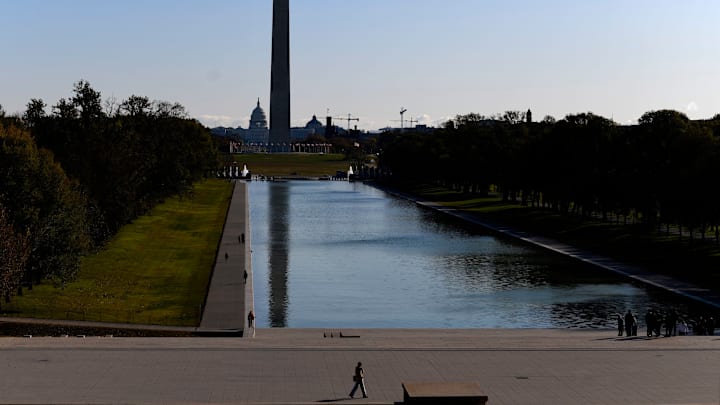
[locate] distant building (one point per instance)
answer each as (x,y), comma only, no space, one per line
(257,131)
(313,127)
(258,134)
(314,124)
(416,128)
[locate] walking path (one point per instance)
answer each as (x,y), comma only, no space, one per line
(293,366)
(230,295)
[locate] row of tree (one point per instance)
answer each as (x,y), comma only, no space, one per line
(662,170)
(69,179)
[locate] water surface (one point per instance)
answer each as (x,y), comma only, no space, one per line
(341,255)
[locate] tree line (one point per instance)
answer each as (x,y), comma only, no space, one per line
(70,178)
(661,171)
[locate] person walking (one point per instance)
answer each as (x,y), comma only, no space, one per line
(630,323)
(658,323)
(635,325)
(359,379)
(251,319)
(621,324)
(650,322)
(671,323)
(682,328)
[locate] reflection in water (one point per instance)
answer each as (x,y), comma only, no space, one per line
(355,257)
(278,232)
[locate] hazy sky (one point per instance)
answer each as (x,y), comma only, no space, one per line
(369,58)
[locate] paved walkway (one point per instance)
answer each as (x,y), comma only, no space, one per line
(230,295)
(285,366)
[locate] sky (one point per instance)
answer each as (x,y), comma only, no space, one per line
(370,58)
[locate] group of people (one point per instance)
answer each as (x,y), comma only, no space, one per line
(705,325)
(654,321)
(674,325)
(627,324)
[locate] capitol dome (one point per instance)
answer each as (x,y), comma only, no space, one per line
(258,119)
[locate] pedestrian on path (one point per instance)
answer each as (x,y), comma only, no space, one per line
(621,324)
(630,324)
(359,379)
(650,322)
(671,323)
(245,275)
(683,329)
(251,319)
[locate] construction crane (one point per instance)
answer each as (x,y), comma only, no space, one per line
(348,120)
(403,110)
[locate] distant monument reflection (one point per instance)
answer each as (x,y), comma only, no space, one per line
(279,230)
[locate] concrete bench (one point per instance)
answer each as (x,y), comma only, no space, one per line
(450,393)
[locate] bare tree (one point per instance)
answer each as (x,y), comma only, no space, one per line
(168,109)
(112,108)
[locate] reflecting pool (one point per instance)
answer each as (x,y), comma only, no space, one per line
(332,254)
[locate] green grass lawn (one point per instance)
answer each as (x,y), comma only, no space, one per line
(293,164)
(154,271)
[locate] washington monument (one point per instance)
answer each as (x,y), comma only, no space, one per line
(280,77)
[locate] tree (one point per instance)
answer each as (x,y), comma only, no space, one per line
(469,119)
(35,112)
(87,101)
(166,109)
(44,204)
(112,108)
(65,109)
(14,252)
(514,117)
(136,106)
(126,161)
(664,118)
(585,145)
(315,138)
(653,142)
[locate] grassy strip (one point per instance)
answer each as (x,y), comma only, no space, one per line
(293,164)
(694,261)
(155,271)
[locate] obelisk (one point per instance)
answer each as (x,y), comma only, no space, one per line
(280,78)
